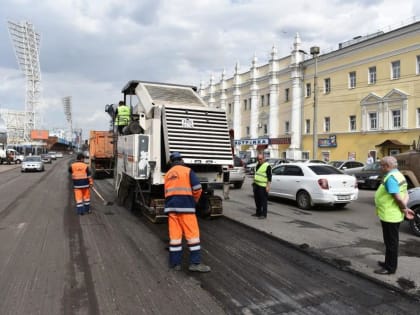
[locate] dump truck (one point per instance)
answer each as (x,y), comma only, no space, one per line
(168,118)
(409,165)
(101,153)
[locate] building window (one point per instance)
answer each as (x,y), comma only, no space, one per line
(286,95)
(230,108)
(286,127)
(373,121)
(305,155)
(396,118)
(396,67)
(418,117)
(268,99)
(352,80)
(327,126)
(247,130)
(327,85)
(307,126)
(352,123)
(265,129)
(262,100)
(372,75)
(308,90)
(245,104)
(418,65)
(249,103)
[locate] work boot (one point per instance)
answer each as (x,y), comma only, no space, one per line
(199,268)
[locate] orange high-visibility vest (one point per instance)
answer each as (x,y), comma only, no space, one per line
(177,182)
(81,175)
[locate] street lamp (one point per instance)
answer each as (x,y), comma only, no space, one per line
(315,53)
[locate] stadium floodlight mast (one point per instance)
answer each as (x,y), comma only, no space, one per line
(68,114)
(26,45)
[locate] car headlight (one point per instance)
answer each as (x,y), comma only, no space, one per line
(374,177)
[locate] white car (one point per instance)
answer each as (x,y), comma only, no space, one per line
(348,166)
(313,183)
(32,163)
(59,155)
(237,173)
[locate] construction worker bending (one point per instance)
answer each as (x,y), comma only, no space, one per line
(82,181)
(182,192)
(122,116)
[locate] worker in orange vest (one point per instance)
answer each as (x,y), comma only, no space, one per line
(82,181)
(182,192)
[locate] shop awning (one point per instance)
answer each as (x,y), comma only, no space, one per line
(392,142)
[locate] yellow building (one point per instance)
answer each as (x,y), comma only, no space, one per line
(367,99)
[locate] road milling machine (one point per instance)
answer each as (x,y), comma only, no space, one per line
(166,118)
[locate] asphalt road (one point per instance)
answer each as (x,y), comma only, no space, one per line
(115,262)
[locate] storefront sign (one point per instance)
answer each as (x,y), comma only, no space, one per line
(329,142)
(252,141)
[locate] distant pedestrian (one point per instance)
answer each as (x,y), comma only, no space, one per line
(369,159)
(226,184)
(82,181)
(391,206)
(182,193)
(261,186)
(122,116)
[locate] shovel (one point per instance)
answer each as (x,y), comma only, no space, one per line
(106,203)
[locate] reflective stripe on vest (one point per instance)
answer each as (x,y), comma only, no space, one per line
(387,208)
(260,176)
(123,115)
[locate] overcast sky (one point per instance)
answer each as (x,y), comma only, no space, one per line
(91,48)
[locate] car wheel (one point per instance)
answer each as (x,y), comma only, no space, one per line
(303,200)
(340,205)
(238,185)
(415,223)
(18,161)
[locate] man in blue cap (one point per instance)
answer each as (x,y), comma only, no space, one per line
(182,192)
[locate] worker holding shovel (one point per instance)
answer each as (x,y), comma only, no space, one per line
(82,181)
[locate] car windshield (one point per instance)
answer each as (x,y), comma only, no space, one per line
(324,170)
(32,159)
(372,167)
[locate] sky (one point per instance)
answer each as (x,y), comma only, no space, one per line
(90,49)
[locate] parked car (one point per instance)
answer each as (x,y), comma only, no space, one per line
(313,183)
(32,163)
(53,155)
(237,173)
(46,158)
(59,155)
(414,204)
(369,176)
(348,167)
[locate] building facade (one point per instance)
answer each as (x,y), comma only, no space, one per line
(365,97)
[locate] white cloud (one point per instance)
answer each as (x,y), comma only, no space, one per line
(90,49)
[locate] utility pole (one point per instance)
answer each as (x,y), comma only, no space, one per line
(315,53)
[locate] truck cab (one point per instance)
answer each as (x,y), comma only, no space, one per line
(14,156)
(409,166)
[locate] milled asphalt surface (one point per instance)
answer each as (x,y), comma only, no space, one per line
(356,247)
(337,247)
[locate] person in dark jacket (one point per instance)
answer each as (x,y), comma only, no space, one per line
(82,181)
(182,193)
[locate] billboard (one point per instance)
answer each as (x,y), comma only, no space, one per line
(39,134)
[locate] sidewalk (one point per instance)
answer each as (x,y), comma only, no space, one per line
(355,247)
(6,167)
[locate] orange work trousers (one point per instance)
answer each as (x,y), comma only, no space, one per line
(82,197)
(183,224)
